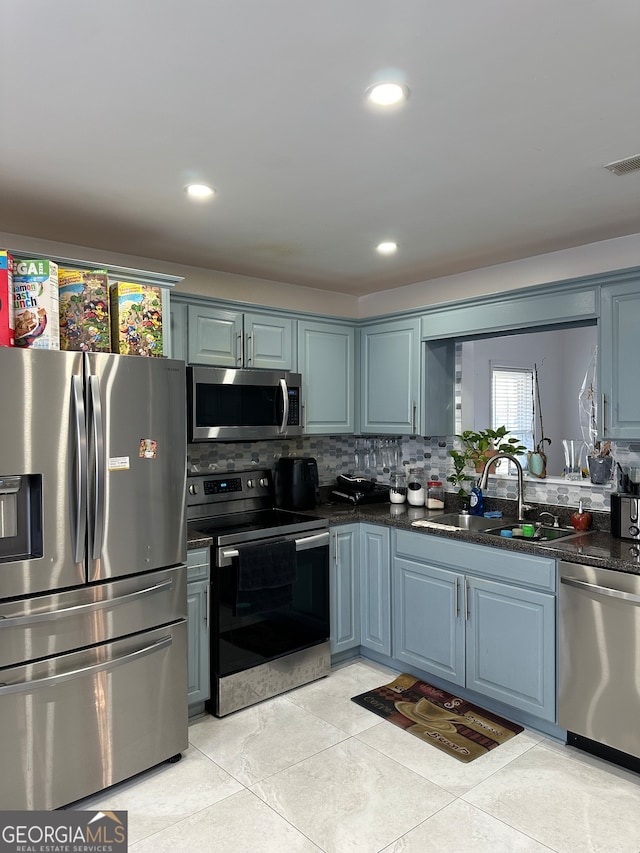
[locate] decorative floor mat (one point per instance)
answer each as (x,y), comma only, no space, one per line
(449,723)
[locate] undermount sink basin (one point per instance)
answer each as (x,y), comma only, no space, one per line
(542,534)
(462,521)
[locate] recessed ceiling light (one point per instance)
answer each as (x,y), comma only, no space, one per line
(387,94)
(199,191)
(386,248)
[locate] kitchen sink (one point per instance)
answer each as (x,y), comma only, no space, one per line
(542,534)
(463,521)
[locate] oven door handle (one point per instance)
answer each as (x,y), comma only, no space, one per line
(302,544)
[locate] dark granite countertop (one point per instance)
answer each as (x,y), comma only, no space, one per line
(595,548)
(195,539)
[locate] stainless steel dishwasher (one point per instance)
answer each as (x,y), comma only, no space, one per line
(599,660)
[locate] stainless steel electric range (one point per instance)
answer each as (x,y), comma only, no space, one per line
(269,602)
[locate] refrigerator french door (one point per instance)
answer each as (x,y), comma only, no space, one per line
(92,571)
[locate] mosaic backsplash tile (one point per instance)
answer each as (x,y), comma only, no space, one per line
(377,457)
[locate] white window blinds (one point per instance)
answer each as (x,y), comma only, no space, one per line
(512,402)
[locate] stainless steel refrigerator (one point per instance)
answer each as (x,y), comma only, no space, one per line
(93,661)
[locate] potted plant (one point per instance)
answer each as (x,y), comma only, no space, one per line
(477,449)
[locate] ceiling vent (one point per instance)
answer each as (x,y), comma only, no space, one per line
(623,167)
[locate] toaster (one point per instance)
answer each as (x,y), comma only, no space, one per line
(624,517)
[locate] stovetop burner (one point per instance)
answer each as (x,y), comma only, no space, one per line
(240,507)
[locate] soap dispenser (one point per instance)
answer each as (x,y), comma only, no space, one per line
(476,501)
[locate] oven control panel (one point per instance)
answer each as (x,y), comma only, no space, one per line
(206,489)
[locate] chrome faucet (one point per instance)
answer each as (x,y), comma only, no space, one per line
(522,507)
(556,518)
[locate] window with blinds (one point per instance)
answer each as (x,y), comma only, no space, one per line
(512,403)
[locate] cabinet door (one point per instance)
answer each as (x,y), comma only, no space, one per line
(510,642)
(215,336)
(375,588)
(618,357)
(345,588)
(390,378)
(429,619)
(178,321)
(198,571)
(197,641)
(326,362)
(268,342)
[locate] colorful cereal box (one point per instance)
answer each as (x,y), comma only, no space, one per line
(35,303)
(84,310)
(6,300)
(136,319)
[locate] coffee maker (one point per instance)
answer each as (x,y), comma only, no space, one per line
(625,505)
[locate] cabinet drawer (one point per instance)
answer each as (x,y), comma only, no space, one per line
(198,565)
(527,569)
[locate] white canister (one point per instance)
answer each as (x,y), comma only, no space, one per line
(397,488)
(415,487)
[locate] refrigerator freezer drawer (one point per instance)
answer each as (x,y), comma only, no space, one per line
(73,725)
(48,625)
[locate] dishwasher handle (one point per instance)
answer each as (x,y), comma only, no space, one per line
(597,589)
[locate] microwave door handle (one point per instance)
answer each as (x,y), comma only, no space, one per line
(80,437)
(285,405)
(99,467)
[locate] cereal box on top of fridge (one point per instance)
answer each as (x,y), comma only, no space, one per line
(35,303)
(6,299)
(136,319)
(84,310)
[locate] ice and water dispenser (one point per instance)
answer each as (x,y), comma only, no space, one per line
(20,516)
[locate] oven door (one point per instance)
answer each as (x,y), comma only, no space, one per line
(242,404)
(239,640)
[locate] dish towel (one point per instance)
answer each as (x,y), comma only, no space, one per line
(266,574)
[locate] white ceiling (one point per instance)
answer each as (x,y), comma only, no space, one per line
(110,107)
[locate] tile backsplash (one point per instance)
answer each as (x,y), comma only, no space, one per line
(378,457)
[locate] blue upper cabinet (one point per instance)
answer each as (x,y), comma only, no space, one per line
(224,338)
(326,362)
(390,373)
(619,401)
(178,320)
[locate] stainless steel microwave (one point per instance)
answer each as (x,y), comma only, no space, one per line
(234,405)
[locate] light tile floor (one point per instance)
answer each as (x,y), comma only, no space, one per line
(312,771)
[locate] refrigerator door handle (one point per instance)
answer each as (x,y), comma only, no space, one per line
(99,469)
(102,666)
(65,612)
(80,435)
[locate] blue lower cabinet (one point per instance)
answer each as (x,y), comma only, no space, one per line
(510,646)
(344,583)
(428,625)
(375,588)
(198,679)
(495,638)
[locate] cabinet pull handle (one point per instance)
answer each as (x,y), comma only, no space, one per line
(239,349)
(250,349)
(304,416)
(456,606)
(466,599)
(602,428)
(206,606)
(413,417)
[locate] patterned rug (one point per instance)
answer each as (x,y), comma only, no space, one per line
(449,723)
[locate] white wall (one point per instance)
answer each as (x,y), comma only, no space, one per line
(200,281)
(608,255)
(605,256)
